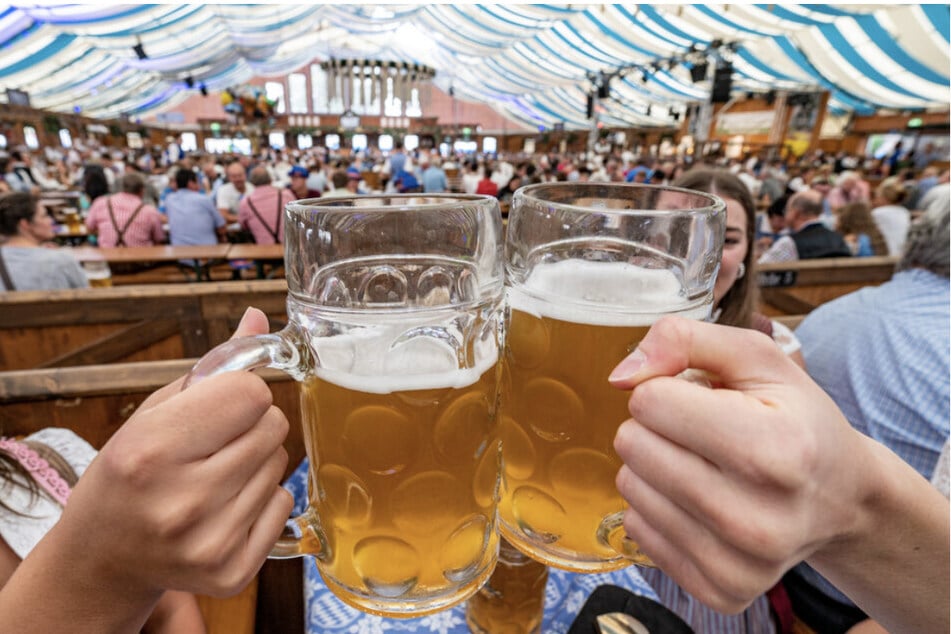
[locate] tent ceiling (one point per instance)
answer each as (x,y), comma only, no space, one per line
(533,63)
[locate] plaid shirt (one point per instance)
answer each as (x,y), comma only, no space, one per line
(884,354)
(269,202)
(145,230)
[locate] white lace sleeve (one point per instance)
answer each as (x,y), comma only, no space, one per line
(23,532)
(785,338)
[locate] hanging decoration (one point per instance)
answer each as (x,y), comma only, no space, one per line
(361,82)
(247,101)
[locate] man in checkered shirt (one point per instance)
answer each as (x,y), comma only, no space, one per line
(124,219)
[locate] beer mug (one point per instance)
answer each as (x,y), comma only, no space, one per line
(98,273)
(589,268)
(394,333)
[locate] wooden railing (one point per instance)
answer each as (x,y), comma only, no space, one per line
(128,323)
(796,288)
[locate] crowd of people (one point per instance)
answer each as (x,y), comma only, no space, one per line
(797,482)
(834,209)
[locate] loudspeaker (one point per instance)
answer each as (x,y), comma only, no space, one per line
(722,83)
(604,90)
(589,108)
(698,72)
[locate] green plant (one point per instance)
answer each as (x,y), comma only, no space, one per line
(51,123)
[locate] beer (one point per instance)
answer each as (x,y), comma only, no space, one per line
(513,599)
(405,478)
(98,273)
(559,415)
(73,222)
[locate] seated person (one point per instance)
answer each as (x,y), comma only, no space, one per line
(25,227)
(125,219)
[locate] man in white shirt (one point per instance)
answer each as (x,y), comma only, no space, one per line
(938,196)
(230,194)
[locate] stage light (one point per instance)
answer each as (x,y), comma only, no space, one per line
(203,88)
(698,72)
(190,82)
(140,51)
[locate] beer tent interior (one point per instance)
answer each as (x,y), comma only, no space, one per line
(535,64)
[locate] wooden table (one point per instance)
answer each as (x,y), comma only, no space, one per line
(261,254)
(201,256)
(158,253)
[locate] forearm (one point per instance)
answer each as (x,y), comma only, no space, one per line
(175,613)
(895,564)
(61,587)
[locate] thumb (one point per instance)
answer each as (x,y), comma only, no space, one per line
(253,322)
(734,356)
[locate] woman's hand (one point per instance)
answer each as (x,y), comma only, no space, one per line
(186,495)
(730,486)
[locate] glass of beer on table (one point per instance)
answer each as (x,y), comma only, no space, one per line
(98,273)
(394,307)
(589,268)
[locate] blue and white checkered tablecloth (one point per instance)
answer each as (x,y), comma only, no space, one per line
(564,596)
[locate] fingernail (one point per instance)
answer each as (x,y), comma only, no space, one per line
(629,366)
(244,316)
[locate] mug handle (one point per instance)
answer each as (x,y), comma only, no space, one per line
(611,530)
(285,350)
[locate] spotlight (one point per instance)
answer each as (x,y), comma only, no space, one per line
(189,82)
(139,51)
(203,88)
(644,76)
(698,72)
(648,110)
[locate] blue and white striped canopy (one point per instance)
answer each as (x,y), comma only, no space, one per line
(532,63)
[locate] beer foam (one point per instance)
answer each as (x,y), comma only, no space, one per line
(603,294)
(361,361)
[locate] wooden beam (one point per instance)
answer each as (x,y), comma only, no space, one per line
(95,380)
(117,345)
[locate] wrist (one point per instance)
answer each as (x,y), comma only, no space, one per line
(109,598)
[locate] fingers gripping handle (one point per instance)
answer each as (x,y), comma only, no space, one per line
(279,350)
(284,351)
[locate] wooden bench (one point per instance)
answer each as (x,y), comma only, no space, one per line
(794,288)
(128,323)
(94,401)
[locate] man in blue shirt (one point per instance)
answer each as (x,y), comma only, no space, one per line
(192,216)
(884,355)
(434,178)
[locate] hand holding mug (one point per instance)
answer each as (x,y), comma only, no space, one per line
(186,495)
(730,486)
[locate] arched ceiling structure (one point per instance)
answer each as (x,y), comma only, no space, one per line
(533,63)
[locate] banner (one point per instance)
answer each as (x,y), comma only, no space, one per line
(745,123)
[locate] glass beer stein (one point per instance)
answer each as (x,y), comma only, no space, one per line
(513,599)
(589,268)
(394,333)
